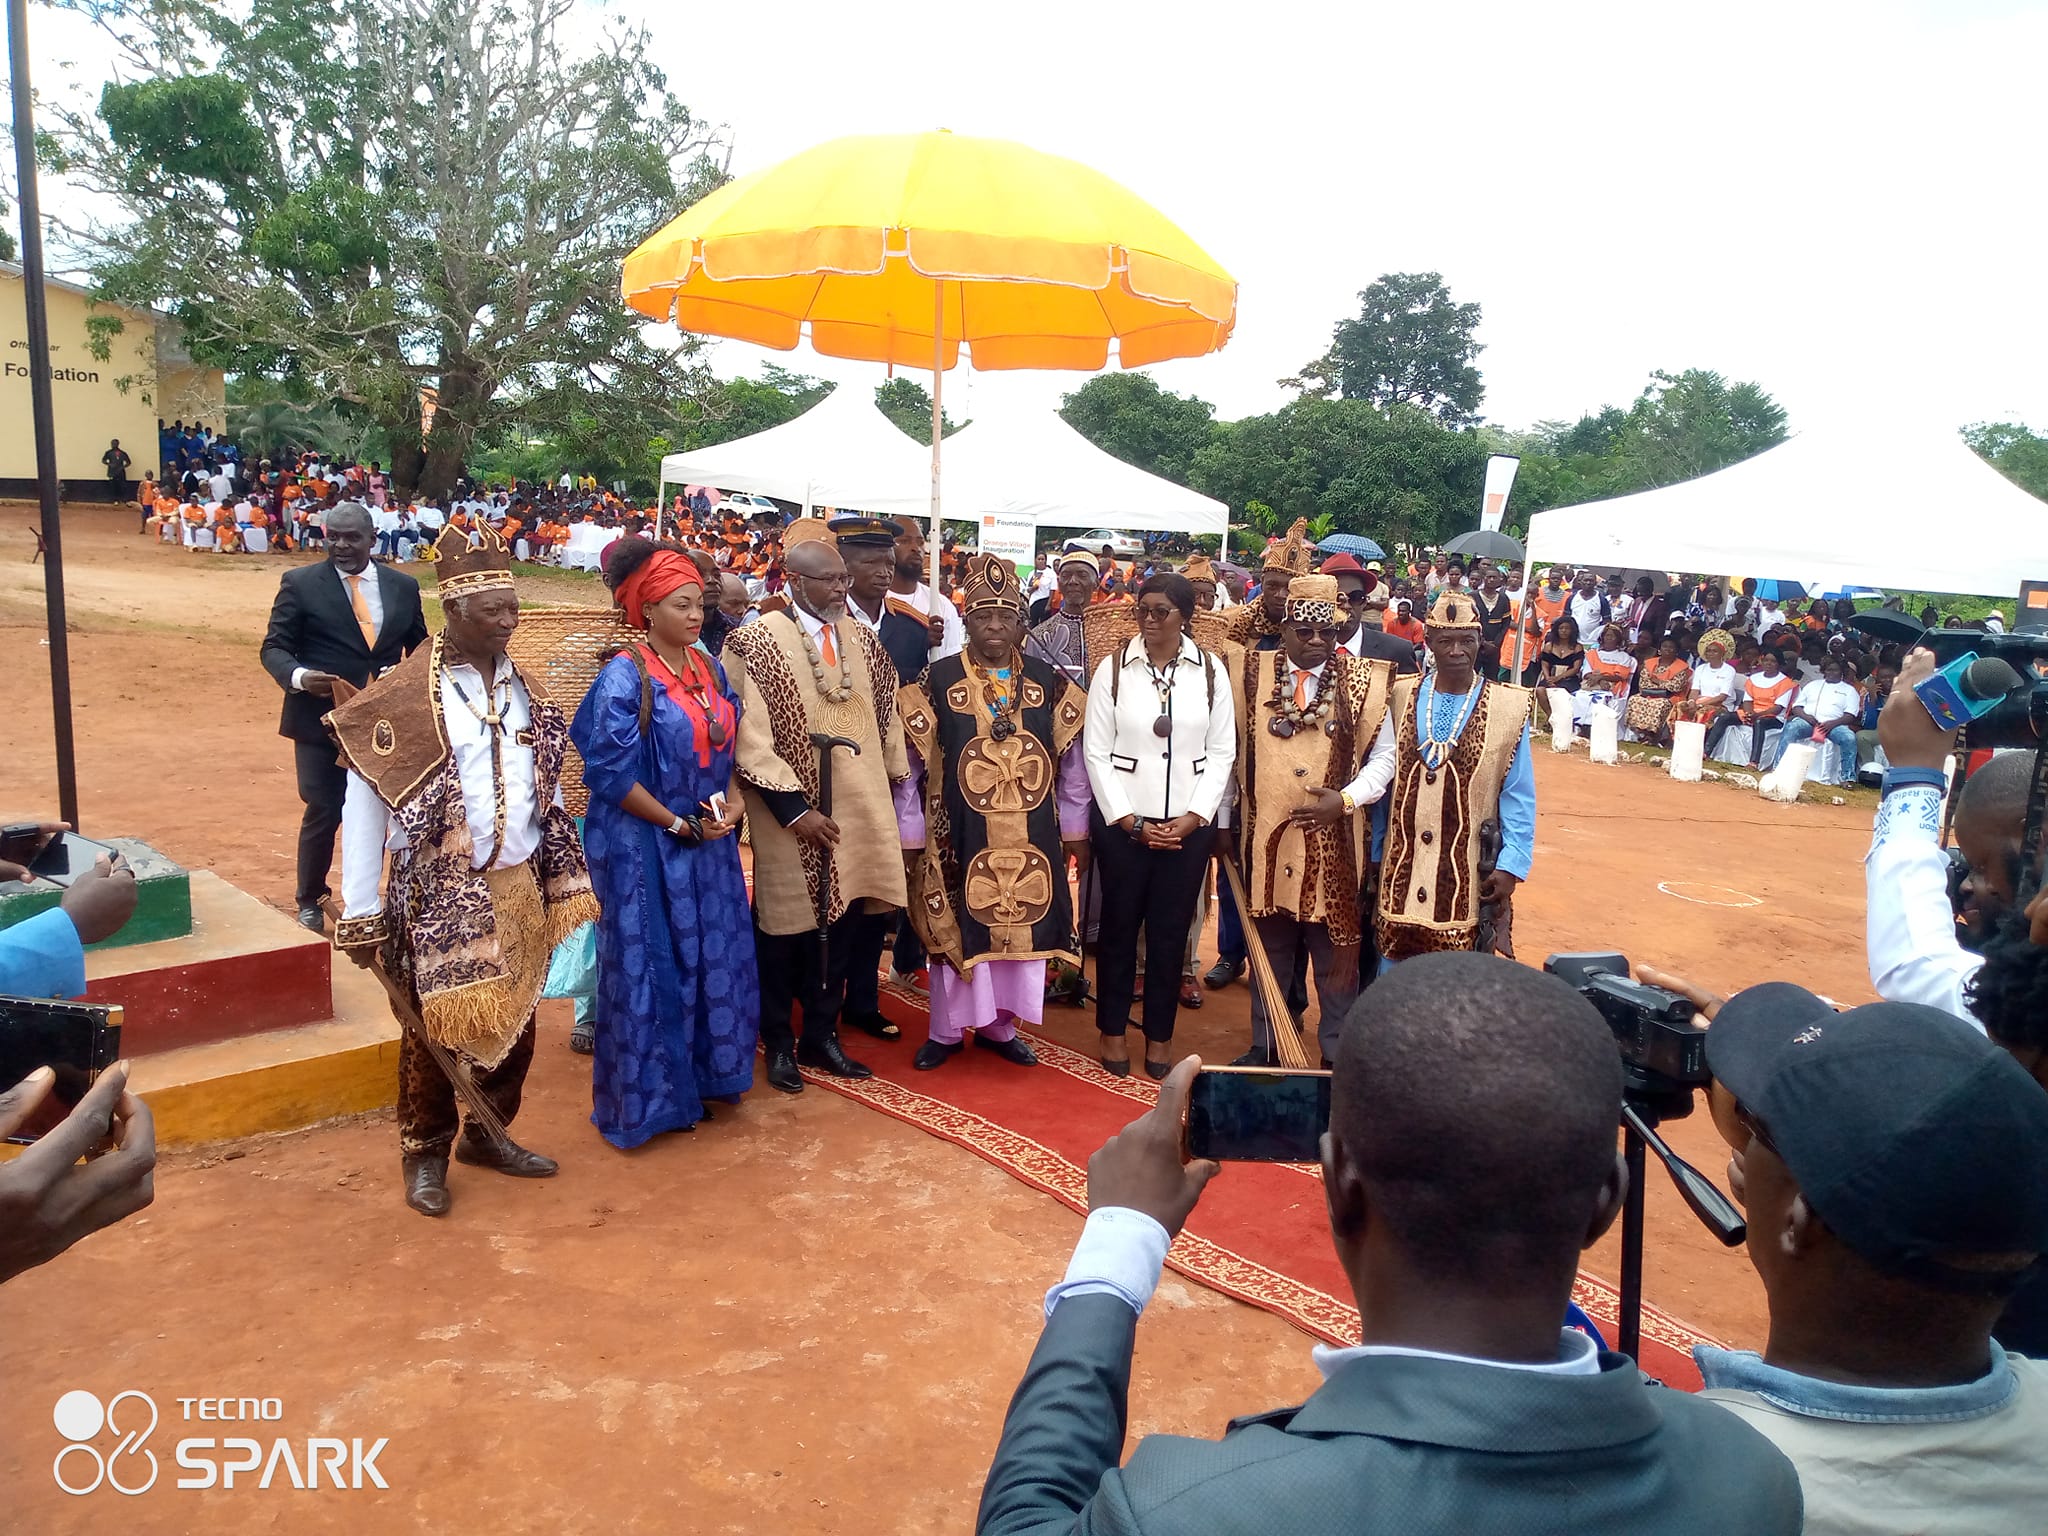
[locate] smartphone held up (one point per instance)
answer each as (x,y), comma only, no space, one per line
(1258,1114)
(77,1041)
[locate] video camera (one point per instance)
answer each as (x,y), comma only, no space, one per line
(1663,1048)
(2018,719)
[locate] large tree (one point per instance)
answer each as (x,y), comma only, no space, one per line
(1411,344)
(909,404)
(1130,416)
(365,197)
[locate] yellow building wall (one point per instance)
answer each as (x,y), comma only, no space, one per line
(93,399)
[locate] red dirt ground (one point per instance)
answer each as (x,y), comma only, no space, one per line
(804,1315)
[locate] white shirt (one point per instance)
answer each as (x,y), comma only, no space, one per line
(1585,611)
(373,599)
(222,483)
(1910,930)
(367,830)
(955,639)
(1377,772)
(1134,772)
(1825,701)
(1044,582)
(1122,1251)
(1713,682)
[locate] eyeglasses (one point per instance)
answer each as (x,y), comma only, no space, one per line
(1157,613)
(1309,632)
(837,579)
(1355,599)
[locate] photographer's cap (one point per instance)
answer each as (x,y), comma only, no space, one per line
(1911,1135)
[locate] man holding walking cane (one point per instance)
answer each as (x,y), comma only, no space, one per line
(817,694)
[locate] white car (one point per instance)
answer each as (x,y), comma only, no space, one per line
(747,504)
(1122,545)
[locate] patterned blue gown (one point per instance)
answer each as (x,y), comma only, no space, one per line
(678,997)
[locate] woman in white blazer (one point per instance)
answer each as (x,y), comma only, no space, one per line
(1160,740)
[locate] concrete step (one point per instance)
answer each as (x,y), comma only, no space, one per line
(280,1079)
(244,968)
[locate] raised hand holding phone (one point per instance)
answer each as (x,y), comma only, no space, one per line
(1144,1168)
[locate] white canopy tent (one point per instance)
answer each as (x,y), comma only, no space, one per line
(1915,510)
(842,452)
(1036,466)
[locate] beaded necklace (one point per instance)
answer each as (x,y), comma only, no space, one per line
(840,691)
(1436,749)
(998,695)
(1288,717)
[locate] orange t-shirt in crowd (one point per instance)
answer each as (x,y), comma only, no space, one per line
(1409,629)
(1544,610)
(1769,693)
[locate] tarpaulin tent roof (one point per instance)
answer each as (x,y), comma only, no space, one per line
(1904,509)
(842,452)
(1035,465)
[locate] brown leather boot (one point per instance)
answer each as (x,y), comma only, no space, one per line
(426,1183)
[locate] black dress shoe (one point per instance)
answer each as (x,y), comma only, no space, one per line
(869,1023)
(1256,1058)
(314,919)
(1012,1049)
(782,1072)
(426,1184)
(506,1157)
(1157,1070)
(935,1053)
(827,1056)
(1222,974)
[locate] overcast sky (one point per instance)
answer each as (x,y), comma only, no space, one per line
(1839,201)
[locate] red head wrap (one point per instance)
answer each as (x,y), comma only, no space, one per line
(658,576)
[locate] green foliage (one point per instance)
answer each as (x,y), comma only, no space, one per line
(1130,416)
(2015,451)
(909,404)
(365,197)
(1410,345)
(1394,475)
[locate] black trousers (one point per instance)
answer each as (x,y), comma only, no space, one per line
(1155,890)
(323,783)
(789,977)
(871,935)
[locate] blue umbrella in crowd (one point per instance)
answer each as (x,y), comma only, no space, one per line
(1355,545)
(1780,591)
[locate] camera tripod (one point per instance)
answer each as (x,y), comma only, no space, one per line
(1642,1108)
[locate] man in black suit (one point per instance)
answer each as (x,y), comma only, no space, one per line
(348,619)
(1470,1158)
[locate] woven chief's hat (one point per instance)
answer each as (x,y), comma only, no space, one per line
(1453,610)
(1290,554)
(1312,600)
(463,571)
(1199,567)
(990,582)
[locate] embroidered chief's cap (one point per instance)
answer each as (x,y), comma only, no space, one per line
(1312,600)
(1290,554)
(1453,610)
(1081,557)
(805,530)
(990,581)
(463,568)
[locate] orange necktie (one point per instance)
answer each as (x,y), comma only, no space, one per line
(363,619)
(827,648)
(1301,682)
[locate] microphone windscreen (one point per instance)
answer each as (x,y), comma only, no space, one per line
(1988,678)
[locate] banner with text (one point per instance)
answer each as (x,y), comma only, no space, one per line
(1010,537)
(1500,479)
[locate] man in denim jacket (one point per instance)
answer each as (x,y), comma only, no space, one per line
(1891,1161)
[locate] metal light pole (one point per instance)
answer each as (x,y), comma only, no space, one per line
(40,402)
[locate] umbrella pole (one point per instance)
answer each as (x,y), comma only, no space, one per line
(938,416)
(1522,606)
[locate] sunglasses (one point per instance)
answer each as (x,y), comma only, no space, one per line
(1157,613)
(1309,632)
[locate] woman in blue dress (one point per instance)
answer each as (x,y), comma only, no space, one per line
(678,1000)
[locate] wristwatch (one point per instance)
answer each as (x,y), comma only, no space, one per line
(1350,805)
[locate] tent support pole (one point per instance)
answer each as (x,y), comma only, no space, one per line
(938,417)
(660,505)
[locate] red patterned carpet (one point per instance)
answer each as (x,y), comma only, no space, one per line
(1260,1233)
